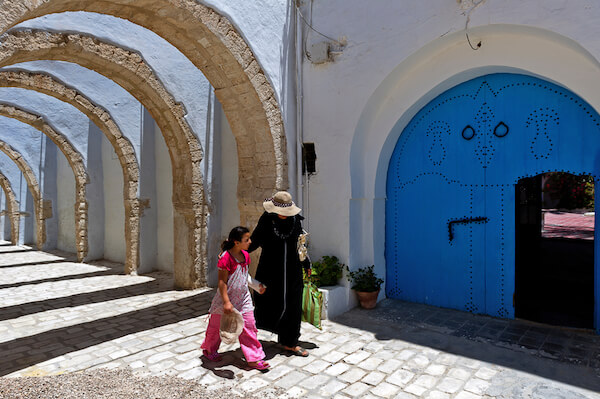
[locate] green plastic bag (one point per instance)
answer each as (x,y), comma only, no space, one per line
(312,303)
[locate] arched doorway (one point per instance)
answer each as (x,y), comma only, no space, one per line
(554,249)
(450,224)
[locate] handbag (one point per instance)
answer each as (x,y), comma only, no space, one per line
(303,251)
(312,304)
(301,245)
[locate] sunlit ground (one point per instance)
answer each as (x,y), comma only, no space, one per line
(58,316)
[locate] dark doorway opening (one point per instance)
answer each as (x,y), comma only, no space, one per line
(554,249)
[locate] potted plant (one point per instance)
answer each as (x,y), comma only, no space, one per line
(326,271)
(366,284)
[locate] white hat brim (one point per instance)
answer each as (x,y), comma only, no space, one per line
(281,210)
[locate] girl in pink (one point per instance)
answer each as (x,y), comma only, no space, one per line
(233,293)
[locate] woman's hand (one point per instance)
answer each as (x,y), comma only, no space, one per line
(227,307)
(261,289)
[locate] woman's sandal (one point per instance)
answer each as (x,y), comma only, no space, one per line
(259,365)
(297,351)
(213,357)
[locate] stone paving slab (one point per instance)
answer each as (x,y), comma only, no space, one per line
(57,318)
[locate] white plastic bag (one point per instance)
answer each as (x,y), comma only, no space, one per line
(255,284)
(231,326)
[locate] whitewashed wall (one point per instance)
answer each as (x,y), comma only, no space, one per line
(269,27)
(121,105)
(398,55)
(114,209)
(164,193)
(65,118)
(65,205)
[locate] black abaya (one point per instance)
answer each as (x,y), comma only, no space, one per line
(279,309)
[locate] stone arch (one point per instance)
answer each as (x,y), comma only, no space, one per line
(436,67)
(211,42)
(75,161)
(129,70)
(46,84)
(42,209)
(13,209)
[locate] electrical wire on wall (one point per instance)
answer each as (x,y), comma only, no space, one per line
(309,24)
(301,43)
(303,185)
(468,14)
(299,102)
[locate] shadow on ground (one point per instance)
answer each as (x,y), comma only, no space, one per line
(233,360)
(53,279)
(574,357)
(81,299)
(24,352)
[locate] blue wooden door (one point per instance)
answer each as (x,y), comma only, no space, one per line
(450,228)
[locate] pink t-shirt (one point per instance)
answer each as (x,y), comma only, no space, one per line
(237,284)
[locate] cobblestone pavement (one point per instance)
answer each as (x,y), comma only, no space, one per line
(58,316)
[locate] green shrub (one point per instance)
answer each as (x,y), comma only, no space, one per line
(326,271)
(364,279)
(571,191)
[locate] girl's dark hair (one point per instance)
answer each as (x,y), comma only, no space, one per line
(235,234)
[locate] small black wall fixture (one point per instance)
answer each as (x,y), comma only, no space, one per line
(309,158)
(477,219)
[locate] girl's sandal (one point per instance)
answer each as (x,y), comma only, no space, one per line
(259,365)
(213,357)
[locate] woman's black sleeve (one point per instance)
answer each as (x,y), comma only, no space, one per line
(258,234)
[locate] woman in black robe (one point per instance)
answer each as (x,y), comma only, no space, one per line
(279,309)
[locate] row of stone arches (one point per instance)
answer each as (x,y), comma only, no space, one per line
(215,47)
(48,85)
(75,161)
(40,209)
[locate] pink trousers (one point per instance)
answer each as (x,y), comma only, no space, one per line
(251,347)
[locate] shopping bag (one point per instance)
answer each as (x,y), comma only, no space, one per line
(312,303)
(231,326)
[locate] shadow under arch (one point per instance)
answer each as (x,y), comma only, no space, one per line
(214,45)
(430,71)
(13,208)
(75,161)
(34,189)
(47,84)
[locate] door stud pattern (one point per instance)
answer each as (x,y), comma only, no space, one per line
(460,158)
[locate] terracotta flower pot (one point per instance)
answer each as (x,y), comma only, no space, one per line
(367,300)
